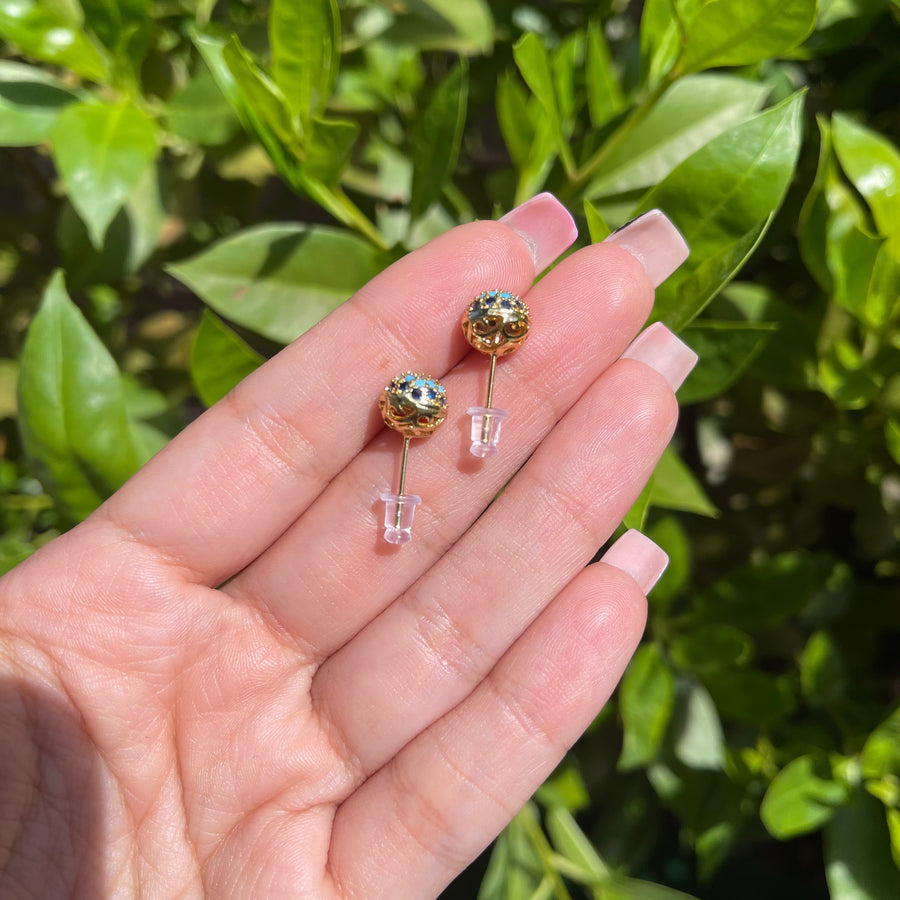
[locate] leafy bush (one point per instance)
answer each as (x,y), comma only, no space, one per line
(271,160)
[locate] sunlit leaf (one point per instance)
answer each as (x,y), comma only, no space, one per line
(646,701)
(279,280)
(30,102)
(436,139)
(219,359)
(72,414)
(102,150)
(801,798)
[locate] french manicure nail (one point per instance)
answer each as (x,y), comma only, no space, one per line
(546,227)
(655,242)
(639,557)
(658,348)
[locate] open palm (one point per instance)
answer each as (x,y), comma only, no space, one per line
(225,684)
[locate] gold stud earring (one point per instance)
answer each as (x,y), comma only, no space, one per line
(415,405)
(495,322)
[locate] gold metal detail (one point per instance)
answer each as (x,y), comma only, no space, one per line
(413,404)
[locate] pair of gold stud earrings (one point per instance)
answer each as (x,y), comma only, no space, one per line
(495,322)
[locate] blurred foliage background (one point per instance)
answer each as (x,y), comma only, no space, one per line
(186,186)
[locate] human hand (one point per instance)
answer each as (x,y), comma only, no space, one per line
(225,684)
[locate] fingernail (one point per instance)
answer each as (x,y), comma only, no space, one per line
(658,348)
(637,555)
(546,227)
(655,242)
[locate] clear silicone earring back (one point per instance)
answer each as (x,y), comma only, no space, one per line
(486,424)
(399,511)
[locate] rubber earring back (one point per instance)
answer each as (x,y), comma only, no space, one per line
(415,405)
(497,323)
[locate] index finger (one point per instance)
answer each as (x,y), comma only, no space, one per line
(236,478)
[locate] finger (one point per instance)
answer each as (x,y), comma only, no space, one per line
(443,798)
(605,295)
(584,312)
(451,627)
(229,484)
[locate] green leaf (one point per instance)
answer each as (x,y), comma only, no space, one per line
(697,738)
(737,33)
(646,701)
(262,98)
(662,34)
(858,862)
(328,149)
(305,42)
(72,413)
(597,227)
(604,95)
(707,649)
(512,116)
(130,240)
(675,487)
(515,870)
(571,843)
(46,33)
(881,752)
(279,280)
(801,798)
(726,350)
(823,677)
(101,151)
(689,115)
(219,359)
(460,26)
(722,199)
(635,889)
(892,438)
(200,113)
(534,64)
(671,536)
(636,517)
(122,25)
(30,102)
(873,165)
(436,138)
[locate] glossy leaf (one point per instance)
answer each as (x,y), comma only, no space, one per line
(30,102)
(881,752)
(669,534)
(726,350)
(691,113)
(676,487)
(571,842)
(737,33)
(801,798)
(858,861)
(662,34)
(72,414)
(604,95)
(873,165)
(45,32)
(260,94)
(722,198)
(436,138)
(279,280)
(305,43)
(697,737)
(513,118)
(220,358)
(646,701)
(328,149)
(102,150)
(597,227)
(534,64)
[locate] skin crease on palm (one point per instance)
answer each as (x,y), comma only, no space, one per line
(225,684)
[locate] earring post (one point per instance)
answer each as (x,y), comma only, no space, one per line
(399,515)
